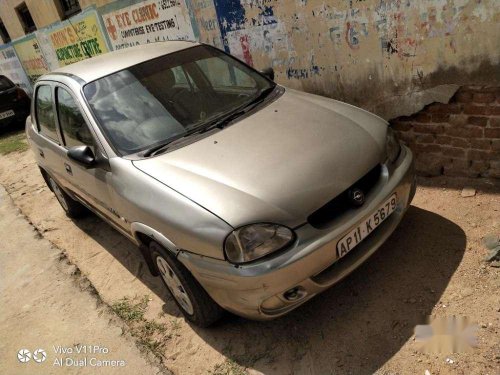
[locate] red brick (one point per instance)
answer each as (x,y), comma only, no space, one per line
(495,144)
(457,168)
(471,109)
(463,96)
(478,120)
(479,167)
(460,142)
(422,117)
(483,97)
(444,139)
(430,165)
(454,152)
(452,141)
(494,110)
(495,122)
(428,129)
(443,108)
(424,138)
(440,117)
(401,126)
(466,131)
(479,155)
(427,148)
(458,120)
(480,144)
(492,133)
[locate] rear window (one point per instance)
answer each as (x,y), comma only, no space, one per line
(45,112)
(5,83)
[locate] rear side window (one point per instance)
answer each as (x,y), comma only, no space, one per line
(45,112)
(5,83)
(73,127)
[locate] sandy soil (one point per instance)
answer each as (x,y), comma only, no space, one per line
(431,266)
(43,306)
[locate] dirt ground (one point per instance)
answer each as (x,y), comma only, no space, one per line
(431,266)
(43,306)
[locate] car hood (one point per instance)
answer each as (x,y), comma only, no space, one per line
(278,164)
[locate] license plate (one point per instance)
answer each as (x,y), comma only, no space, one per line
(355,236)
(6,114)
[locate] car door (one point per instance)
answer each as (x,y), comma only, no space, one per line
(89,185)
(47,139)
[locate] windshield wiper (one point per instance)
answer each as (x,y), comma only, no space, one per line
(218,123)
(222,122)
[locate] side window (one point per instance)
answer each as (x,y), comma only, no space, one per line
(45,112)
(73,127)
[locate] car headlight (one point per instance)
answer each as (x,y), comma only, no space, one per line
(254,241)
(392,146)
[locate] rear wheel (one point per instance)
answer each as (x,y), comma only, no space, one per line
(193,301)
(72,208)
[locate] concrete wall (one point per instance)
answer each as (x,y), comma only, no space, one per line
(43,12)
(375,53)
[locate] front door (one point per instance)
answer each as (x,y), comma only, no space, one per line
(87,184)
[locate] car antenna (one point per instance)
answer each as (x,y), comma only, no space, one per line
(80,40)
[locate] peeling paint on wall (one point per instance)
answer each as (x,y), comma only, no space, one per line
(347,49)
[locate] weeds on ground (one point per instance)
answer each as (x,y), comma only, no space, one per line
(13,142)
(149,334)
(228,367)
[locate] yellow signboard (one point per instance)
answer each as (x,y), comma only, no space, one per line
(78,40)
(31,57)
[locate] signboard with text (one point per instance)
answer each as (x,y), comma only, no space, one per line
(77,40)
(146,22)
(10,66)
(31,57)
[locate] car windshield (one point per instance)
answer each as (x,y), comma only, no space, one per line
(5,83)
(166,98)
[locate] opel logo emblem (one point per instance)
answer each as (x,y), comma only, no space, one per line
(356,196)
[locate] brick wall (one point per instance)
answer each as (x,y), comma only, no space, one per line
(459,139)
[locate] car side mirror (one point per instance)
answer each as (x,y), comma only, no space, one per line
(82,155)
(268,72)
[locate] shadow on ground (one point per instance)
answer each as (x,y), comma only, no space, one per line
(353,328)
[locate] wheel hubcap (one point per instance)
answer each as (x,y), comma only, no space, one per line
(59,195)
(174,285)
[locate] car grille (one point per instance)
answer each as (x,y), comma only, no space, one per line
(322,217)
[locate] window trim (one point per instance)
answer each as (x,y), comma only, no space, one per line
(35,112)
(70,12)
(58,86)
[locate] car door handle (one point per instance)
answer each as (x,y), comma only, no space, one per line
(68,169)
(41,153)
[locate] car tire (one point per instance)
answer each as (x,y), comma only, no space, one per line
(72,208)
(193,301)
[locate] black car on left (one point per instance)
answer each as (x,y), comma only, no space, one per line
(14,103)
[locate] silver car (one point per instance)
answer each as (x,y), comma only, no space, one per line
(243,195)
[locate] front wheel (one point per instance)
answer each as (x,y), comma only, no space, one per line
(193,301)
(72,208)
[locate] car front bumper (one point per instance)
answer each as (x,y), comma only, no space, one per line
(310,265)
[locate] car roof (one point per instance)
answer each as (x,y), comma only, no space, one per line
(102,65)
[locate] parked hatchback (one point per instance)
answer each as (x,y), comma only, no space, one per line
(14,103)
(242,195)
